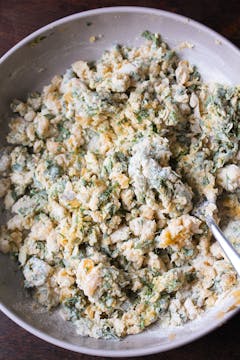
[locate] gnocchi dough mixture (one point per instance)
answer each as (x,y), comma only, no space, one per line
(104,176)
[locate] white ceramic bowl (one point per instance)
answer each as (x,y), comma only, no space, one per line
(31,64)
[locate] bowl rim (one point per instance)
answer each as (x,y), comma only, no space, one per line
(155,348)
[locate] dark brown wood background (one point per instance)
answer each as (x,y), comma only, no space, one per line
(19,18)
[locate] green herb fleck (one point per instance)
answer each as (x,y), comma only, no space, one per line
(155,38)
(37,40)
(143,114)
(49,116)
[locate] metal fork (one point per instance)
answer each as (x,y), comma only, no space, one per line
(232,255)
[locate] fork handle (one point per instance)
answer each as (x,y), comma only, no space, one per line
(231,253)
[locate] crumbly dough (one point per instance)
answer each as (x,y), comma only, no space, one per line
(103,174)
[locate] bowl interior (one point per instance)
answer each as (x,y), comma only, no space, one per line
(31,65)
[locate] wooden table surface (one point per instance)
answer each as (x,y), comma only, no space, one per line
(19,18)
